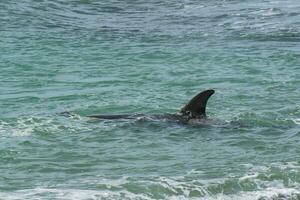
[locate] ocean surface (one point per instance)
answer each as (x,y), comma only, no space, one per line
(138,56)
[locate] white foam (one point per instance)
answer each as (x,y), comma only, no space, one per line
(248,176)
(179,187)
(69,194)
(296,121)
(269,193)
(24,126)
(78,194)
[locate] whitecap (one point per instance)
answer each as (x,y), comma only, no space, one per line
(296,121)
(79,194)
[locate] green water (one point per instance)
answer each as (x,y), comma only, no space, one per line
(112,57)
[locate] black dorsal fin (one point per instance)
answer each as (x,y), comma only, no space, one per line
(196,106)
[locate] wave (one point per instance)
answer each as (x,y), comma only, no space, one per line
(274,181)
(26,126)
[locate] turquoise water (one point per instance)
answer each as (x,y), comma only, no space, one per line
(150,57)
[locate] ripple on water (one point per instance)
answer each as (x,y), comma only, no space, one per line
(149,57)
(273,181)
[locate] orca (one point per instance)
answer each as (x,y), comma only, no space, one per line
(193,111)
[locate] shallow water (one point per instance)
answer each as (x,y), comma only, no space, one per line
(92,57)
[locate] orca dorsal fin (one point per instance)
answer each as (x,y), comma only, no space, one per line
(196,106)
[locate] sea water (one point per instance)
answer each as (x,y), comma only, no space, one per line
(113,57)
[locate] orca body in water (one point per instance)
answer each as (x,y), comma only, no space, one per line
(193,111)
